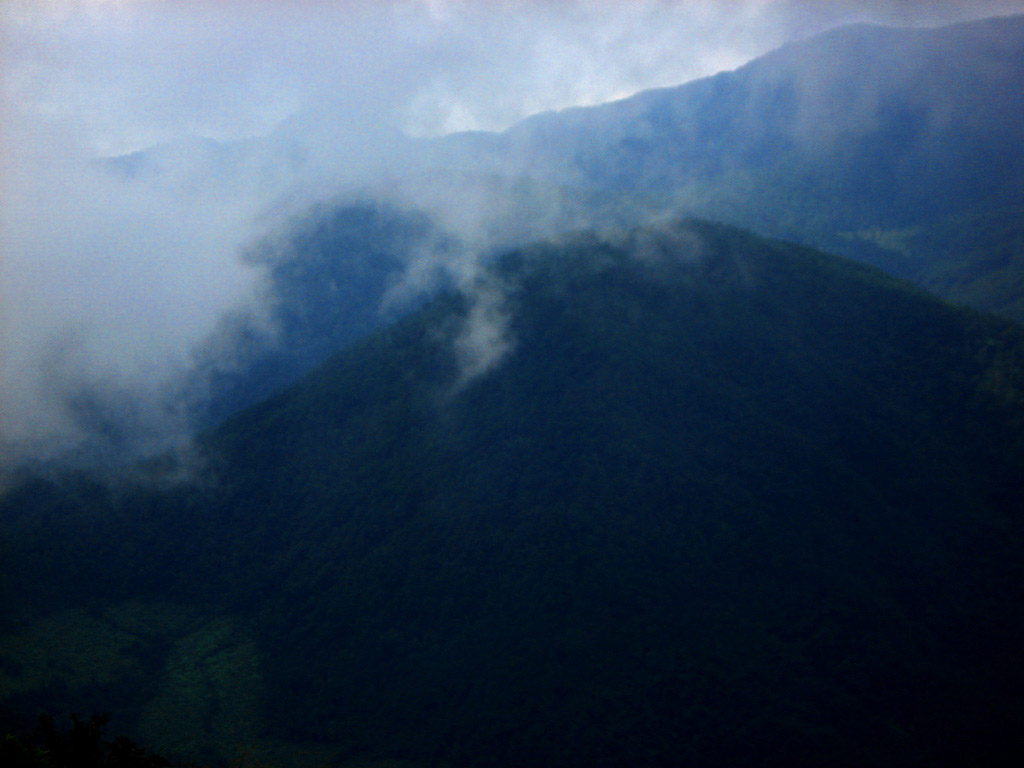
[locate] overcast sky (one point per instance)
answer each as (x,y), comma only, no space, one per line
(127,73)
(106,282)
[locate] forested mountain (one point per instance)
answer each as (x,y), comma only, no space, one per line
(843,141)
(346,266)
(720,501)
(975,257)
(860,123)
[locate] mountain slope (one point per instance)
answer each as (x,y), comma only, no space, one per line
(975,257)
(328,278)
(722,501)
(865,122)
(862,128)
(827,141)
(900,148)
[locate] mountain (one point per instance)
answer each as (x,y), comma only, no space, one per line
(851,141)
(901,148)
(975,257)
(342,268)
(719,501)
(633,495)
(841,141)
(332,276)
(865,122)
(709,464)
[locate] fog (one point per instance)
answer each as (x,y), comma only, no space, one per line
(110,279)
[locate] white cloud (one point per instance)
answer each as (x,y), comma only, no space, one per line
(103,282)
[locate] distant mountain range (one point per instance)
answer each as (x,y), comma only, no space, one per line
(862,140)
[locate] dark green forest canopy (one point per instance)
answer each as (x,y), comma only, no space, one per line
(82,745)
(722,501)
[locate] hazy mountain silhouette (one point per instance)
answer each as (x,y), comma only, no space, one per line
(861,140)
(834,141)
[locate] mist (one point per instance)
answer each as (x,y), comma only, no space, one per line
(148,146)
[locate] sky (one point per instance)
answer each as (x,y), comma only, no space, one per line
(130,73)
(107,286)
